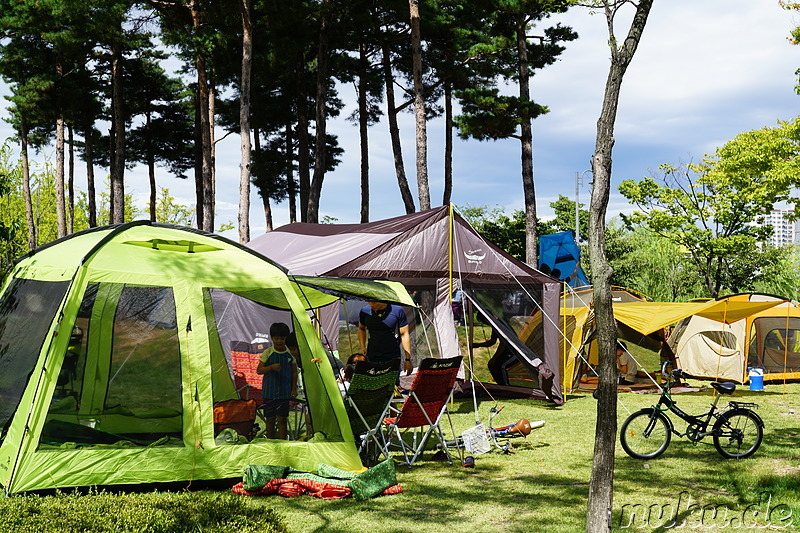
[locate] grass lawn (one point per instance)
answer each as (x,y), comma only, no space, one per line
(543,487)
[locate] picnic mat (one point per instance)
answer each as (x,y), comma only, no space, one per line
(328,483)
(639,388)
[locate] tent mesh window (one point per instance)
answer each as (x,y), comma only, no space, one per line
(145,370)
(27,309)
(725,340)
(124,343)
(775,344)
(511,311)
(245,340)
(421,327)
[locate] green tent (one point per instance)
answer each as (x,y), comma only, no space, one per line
(111,363)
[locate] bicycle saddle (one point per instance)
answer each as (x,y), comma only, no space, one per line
(724,388)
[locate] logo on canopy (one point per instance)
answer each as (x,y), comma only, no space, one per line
(475,256)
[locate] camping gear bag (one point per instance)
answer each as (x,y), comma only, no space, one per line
(239,415)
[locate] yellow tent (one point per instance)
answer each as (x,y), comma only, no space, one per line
(768,339)
(639,321)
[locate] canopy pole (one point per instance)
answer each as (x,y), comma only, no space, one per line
(471,327)
(471,368)
(450,254)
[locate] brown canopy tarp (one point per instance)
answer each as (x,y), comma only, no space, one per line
(434,250)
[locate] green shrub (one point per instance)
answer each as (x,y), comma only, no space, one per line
(209,512)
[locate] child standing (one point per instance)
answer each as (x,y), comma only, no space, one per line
(279,384)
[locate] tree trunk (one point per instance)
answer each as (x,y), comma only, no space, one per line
(198,164)
(267,212)
(88,140)
(363,132)
(117,200)
(212,116)
(71,181)
(419,109)
(203,105)
(26,184)
(61,216)
(394,133)
(244,124)
(320,146)
(303,164)
(448,143)
(602,479)
(151,167)
(717,278)
(526,139)
(291,189)
(601,486)
(264,196)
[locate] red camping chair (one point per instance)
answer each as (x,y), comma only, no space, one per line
(244,362)
(424,406)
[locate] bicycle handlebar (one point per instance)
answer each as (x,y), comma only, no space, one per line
(674,373)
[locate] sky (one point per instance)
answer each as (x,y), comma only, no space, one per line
(704,72)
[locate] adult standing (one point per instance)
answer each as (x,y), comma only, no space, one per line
(389,336)
(502,356)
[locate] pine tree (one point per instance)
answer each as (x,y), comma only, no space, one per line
(515,54)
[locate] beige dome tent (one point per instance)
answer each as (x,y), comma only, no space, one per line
(768,339)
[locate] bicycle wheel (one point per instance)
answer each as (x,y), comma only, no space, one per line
(645,434)
(738,434)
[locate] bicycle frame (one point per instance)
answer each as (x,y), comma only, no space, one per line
(510,431)
(698,423)
(736,430)
(503,432)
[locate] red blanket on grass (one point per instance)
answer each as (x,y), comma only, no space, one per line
(290,488)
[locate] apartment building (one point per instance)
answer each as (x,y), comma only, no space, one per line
(785,231)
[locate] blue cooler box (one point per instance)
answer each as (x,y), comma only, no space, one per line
(756,379)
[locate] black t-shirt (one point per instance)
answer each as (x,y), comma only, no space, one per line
(383,325)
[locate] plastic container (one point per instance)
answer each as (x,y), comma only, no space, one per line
(756,379)
(476,441)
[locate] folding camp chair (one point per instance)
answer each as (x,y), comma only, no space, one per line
(244,361)
(239,415)
(424,405)
(367,403)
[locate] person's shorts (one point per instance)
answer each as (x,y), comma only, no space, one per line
(273,408)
